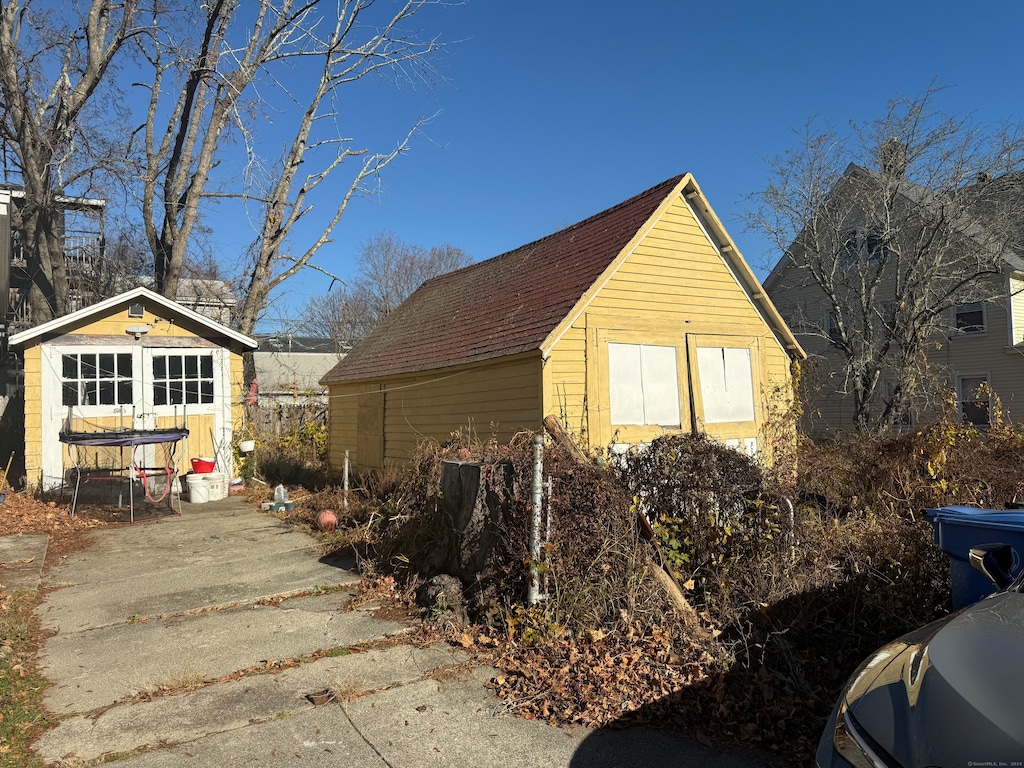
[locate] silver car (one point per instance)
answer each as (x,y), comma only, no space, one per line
(947,694)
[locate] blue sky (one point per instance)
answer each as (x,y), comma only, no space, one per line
(553,111)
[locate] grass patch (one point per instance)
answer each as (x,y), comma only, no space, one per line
(22,717)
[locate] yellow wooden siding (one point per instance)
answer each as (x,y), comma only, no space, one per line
(33,360)
(342,421)
(496,399)
(115,324)
(565,383)
(674,285)
(239,388)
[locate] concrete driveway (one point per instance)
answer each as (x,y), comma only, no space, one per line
(154,625)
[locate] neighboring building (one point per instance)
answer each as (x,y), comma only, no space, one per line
(639,321)
(979,349)
(212,299)
(84,245)
(133,361)
(289,368)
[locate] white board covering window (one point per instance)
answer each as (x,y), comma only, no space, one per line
(644,385)
(726,384)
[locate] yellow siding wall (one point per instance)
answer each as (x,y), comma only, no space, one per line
(33,413)
(115,324)
(499,399)
(673,287)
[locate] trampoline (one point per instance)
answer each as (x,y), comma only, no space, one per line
(131,438)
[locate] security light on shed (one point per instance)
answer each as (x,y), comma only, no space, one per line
(137,330)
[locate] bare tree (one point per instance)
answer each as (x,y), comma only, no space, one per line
(51,67)
(243,61)
(887,228)
(356,48)
(210,76)
(389,271)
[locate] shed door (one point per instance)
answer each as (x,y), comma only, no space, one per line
(117,387)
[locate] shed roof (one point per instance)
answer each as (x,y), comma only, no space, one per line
(511,304)
(102,307)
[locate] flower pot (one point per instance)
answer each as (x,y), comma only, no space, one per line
(247,446)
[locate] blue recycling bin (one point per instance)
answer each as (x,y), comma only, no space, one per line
(957,529)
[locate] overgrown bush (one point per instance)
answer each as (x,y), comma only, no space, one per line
(788,602)
(709,505)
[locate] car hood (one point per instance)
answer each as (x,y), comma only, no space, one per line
(948,693)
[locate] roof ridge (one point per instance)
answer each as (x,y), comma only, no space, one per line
(565,230)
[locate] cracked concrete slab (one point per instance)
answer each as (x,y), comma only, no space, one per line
(98,667)
(181,719)
(21,562)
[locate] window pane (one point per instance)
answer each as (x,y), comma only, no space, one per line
(89,393)
(177,396)
(661,385)
(106,366)
(69,394)
(70,366)
(970,318)
(192,391)
(206,388)
(191,367)
(174,366)
(124,392)
(159,367)
(124,366)
(976,413)
(626,389)
(159,393)
(726,384)
(206,371)
(106,393)
(88,366)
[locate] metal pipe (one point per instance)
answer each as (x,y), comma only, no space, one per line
(344,497)
(533,594)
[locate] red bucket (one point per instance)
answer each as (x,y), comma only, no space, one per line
(203,466)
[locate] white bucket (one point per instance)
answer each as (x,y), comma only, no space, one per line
(198,488)
(217,482)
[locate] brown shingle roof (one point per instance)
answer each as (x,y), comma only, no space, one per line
(503,306)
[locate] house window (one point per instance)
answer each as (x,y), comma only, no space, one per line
(969,318)
(832,329)
(974,400)
(644,386)
(103,378)
(182,379)
(726,384)
(862,246)
(901,414)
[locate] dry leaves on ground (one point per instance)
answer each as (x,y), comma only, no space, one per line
(610,680)
(22,514)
